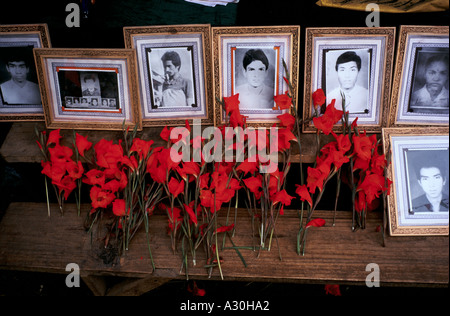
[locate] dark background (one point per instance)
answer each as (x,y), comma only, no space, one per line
(104,29)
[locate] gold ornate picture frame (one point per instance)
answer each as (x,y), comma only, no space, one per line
(418,204)
(169,96)
(235,49)
(89,89)
(357,62)
(420,92)
(20,98)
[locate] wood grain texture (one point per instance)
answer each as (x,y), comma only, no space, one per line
(31,241)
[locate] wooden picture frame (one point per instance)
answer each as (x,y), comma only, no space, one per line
(269,46)
(89,89)
(418,203)
(412,104)
(20,98)
(169,97)
(358,61)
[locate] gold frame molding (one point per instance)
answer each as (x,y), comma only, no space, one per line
(78,55)
(394,227)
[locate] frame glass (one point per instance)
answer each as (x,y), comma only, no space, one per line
(419,202)
(20,98)
(89,89)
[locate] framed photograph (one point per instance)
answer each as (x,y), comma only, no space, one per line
(420,88)
(249,61)
(20,97)
(175,69)
(355,63)
(419,202)
(91,89)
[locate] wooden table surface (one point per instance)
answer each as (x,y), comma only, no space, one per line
(32,241)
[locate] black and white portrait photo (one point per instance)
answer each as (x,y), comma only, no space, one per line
(419,201)
(88,90)
(18,81)
(348,76)
(255,77)
(20,93)
(428,181)
(421,81)
(430,88)
(172,77)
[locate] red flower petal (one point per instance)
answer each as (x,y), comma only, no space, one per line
(283,101)
(283,198)
(189,209)
(82,144)
(54,137)
(318,222)
(175,187)
(119,207)
(318,97)
(287,120)
(231,104)
(224,229)
(302,192)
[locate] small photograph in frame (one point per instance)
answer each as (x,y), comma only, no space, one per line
(420,94)
(174,69)
(20,97)
(249,61)
(89,89)
(355,63)
(419,201)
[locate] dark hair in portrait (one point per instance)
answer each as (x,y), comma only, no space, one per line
(348,57)
(174,57)
(255,54)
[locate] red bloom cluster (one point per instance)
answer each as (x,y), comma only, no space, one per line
(110,176)
(368,171)
(61,168)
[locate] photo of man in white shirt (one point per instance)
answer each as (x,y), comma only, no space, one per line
(18,90)
(348,72)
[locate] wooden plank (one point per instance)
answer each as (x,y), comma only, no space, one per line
(20,144)
(29,240)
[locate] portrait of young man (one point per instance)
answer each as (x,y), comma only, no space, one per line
(254,81)
(172,78)
(431,185)
(16,85)
(348,75)
(430,92)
